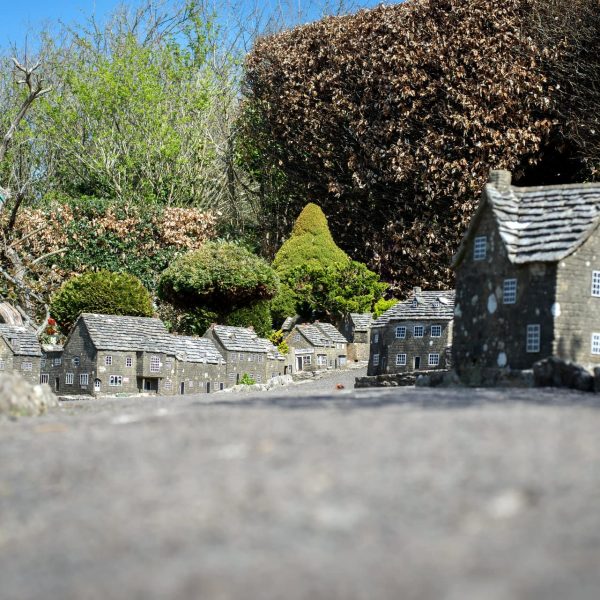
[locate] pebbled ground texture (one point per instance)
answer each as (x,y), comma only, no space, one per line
(308,492)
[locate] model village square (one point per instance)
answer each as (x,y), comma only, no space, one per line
(527,296)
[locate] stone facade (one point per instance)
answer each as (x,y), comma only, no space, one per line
(246,353)
(356,328)
(413,335)
(317,346)
(20,352)
(528,279)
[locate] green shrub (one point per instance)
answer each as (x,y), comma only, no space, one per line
(277,339)
(309,243)
(257,316)
(283,305)
(221,276)
(382,305)
(101,292)
(246,380)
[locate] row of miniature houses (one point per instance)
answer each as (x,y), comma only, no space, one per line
(527,288)
(106,354)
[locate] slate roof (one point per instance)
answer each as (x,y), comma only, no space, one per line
(239,339)
(22,341)
(128,334)
(539,224)
(193,349)
(420,306)
(272,351)
(331,332)
(361,321)
(289,323)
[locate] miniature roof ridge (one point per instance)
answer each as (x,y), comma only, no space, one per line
(431,305)
(22,341)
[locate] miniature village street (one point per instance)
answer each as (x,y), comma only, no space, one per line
(377,493)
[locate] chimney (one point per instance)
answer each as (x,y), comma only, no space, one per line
(417,290)
(500,179)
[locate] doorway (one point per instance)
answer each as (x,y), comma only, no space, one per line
(57,384)
(417,362)
(97,384)
(208,387)
(182,388)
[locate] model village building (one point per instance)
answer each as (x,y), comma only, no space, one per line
(356,328)
(316,346)
(413,335)
(20,351)
(528,278)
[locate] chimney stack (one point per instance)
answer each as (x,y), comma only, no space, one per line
(417,290)
(500,179)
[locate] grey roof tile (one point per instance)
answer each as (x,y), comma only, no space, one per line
(239,339)
(22,341)
(331,332)
(361,321)
(420,305)
(128,334)
(193,349)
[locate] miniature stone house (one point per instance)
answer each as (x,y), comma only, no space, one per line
(20,352)
(245,353)
(317,346)
(356,328)
(51,367)
(413,335)
(528,279)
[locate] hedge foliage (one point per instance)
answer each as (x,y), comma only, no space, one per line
(100,292)
(220,276)
(393,117)
(257,316)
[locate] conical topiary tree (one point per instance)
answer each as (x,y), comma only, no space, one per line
(310,242)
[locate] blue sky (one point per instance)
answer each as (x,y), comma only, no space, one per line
(20,20)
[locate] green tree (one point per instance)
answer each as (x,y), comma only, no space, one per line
(100,292)
(257,315)
(382,305)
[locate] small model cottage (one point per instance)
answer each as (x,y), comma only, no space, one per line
(317,346)
(20,352)
(413,335)
(356,328)
(528,278)
(246,353)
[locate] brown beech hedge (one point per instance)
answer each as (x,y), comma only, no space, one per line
(390,120)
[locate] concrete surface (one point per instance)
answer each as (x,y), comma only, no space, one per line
(305,493)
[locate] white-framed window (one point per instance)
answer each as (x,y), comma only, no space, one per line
(84,379)
(401,360)
(434,360)
(69,378)
(27,365)
(260,358)
(44,378)
(480,247)
(128,361)
(108,360)
(2,364)
(168,384)
(376,338)
(233,357)
(509,291)
(42,362)
(596,283)
(322,360)
(231,376)
(595,343)
(296,337)
(115,380)
(533,338)
(154,364)
(57,362)
(418,331)
(258,378)
(400,332)
(75,360)
(436,331)
(414,303)
(375,359)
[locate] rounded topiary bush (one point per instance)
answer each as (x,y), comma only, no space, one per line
(100,292)
(222,276)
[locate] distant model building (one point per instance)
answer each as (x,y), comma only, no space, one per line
(356,328)
(107,354)
(413,335)
(528,278)
(317,346)
(246,353)
(20,352)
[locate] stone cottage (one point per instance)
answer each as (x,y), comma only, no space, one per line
(245,353)
(317,346)
(413,335)
(20,352)
(356,328)
(528,279)
(51,368)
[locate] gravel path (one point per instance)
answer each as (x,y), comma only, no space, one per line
(367,494)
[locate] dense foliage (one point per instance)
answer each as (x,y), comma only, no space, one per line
(100,292)
(393,117)
(221,276)
(257,316)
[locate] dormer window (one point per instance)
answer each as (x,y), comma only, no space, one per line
(415,303)
(480,247)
